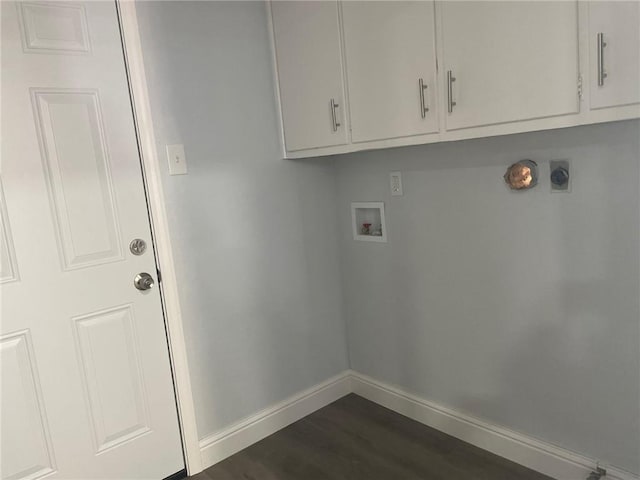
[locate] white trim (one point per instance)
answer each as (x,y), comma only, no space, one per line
(226,442)
(613,114)
(541,456)
(546,458)
(160,227)
(276,83)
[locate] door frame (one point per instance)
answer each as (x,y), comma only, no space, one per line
(150,162)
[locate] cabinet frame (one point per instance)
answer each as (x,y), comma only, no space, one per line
(596,114)
(433,87)
(344,125)
(584,116)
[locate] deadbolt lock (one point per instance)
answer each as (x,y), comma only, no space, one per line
(138,246)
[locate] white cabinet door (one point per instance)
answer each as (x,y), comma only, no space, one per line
(85,379)
(614,53)
(511,61)
(391,68)
(309,65)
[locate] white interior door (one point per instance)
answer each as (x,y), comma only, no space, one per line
(614,53)
(511,61)
(86,380)
(391,68)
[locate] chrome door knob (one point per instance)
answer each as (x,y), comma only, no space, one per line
(143,281)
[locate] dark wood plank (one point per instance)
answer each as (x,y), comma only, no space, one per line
(355,439)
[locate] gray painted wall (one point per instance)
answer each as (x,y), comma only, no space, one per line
(255,237)
(520,308)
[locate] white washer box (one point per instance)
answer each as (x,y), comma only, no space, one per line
(371,213)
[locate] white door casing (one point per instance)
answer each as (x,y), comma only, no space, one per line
(86,379)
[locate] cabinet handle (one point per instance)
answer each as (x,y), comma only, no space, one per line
(601,73)
(423,108)
(334,118)
(450,80)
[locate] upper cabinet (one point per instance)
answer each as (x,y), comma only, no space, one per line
(309,68)
(391,68)
(614,53)
(509,61)
(355,75)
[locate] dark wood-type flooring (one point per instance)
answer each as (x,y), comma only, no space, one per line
(355,439)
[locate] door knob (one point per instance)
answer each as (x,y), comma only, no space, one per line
(143,281)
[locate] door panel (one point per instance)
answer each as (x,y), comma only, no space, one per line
(511,60)
(389,47)
(73,200)
(619,24)
(26,445)
(8,266)
(109,352)
(309,63)
(77,172)
(55,28)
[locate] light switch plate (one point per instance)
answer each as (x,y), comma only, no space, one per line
(395,181)
(177,160)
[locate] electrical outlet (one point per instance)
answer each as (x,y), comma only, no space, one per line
(177,160)
(395,179)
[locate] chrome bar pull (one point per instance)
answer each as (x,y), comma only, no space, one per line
(601,73)
(423,108)
(334,118)
(450,80)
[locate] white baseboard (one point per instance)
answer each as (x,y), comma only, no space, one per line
(554,461)
(226,442)
(543,457)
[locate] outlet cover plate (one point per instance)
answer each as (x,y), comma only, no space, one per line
(395,181)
